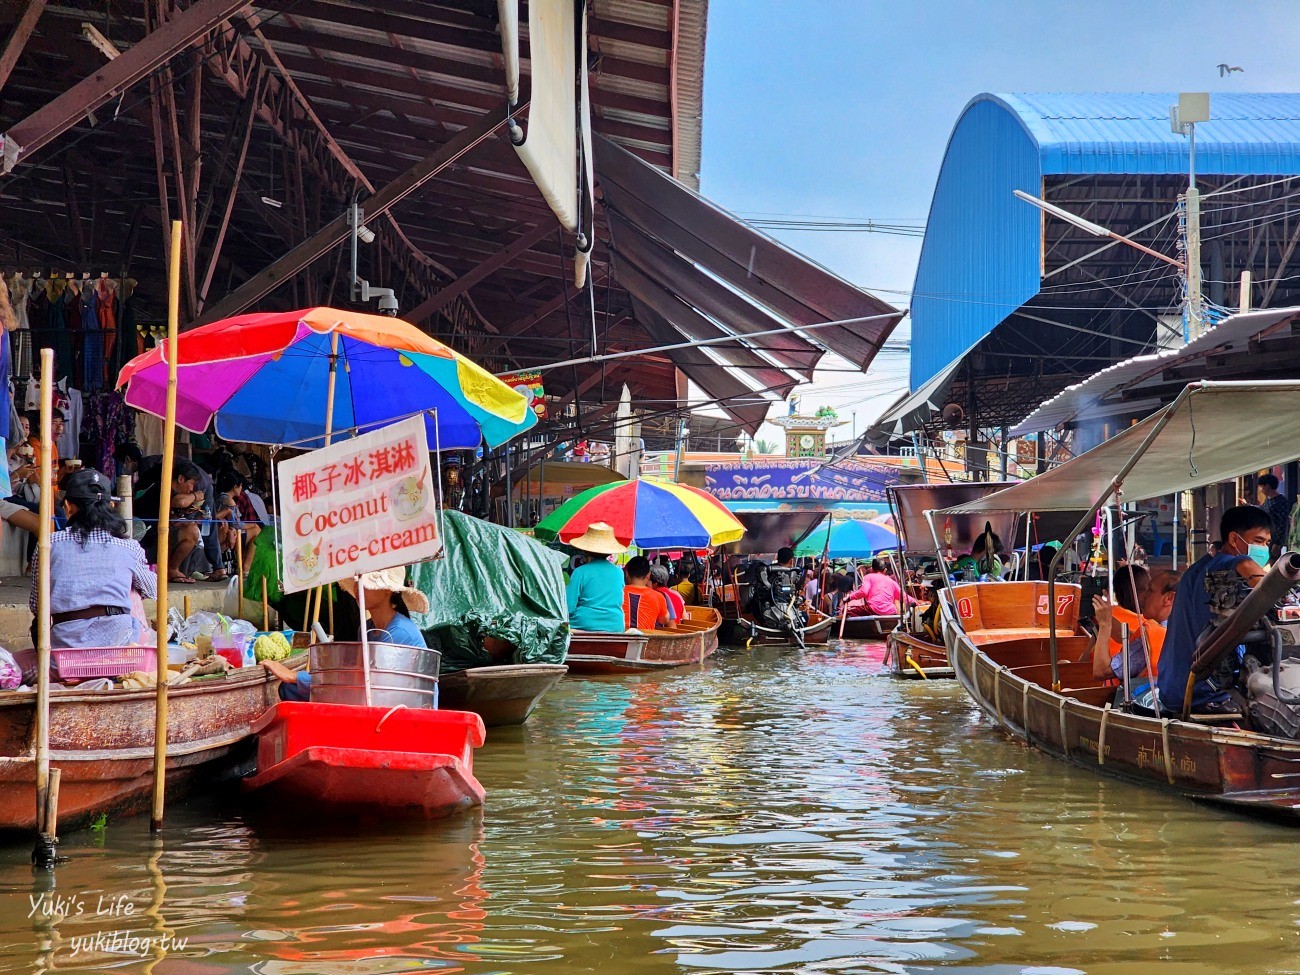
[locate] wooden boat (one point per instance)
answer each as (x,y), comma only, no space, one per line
(866,627)
(102,741)
(998,638)
(999,635)
(911,656)
(500,695)
(740,629)
(351,760)
(694,640)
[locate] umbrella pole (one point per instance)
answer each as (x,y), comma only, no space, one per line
(312,617)
(365,636)
(266,609)
(239,572)
(46,839)
(164,532)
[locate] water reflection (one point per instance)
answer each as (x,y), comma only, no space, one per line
(772,812)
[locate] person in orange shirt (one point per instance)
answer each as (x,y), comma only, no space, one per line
(643,608)
(1155,597)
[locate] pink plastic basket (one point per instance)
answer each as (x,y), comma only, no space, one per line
(78,663)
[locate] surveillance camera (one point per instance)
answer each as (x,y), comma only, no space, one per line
(366,234)
(388,304)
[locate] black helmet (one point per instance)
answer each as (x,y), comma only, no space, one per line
(85,486)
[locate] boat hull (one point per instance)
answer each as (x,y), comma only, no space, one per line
(634,653)
(912,658)
(1237,769)
(102,743)
(867,627)
(419,763)
(503,695)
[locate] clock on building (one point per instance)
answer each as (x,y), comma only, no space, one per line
(806,441)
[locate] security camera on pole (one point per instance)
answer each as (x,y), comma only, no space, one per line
(1192,107)
(361,290)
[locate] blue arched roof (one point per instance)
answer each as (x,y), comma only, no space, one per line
(980,259)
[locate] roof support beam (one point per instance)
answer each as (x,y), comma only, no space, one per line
(522,325)
(18,39)
(435,303)
(336,231)
(115,77)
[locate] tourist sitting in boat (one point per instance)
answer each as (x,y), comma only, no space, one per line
(1144,611)
(1245,532)
(878,594)
(595,590)
(660,579)
(643,607)
(389,604)
(95,566)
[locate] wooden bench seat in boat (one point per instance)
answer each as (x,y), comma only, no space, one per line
(1036,650)
(1004,609)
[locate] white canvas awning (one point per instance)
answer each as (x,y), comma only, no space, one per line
(1212,432)
(1123,387)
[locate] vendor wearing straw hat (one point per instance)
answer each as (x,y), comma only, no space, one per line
(595,593)
(389,604)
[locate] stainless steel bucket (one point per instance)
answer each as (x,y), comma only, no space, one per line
(398,675)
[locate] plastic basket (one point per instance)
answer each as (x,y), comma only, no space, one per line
(81,662)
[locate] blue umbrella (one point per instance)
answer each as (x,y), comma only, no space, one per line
(850,539)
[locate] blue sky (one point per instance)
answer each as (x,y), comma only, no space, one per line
(842,109)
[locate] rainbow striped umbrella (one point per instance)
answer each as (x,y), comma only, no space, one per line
(646,514)
(264,378)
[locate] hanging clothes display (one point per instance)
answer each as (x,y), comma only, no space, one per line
(99,351)
(108,422)
(20,294)
(149,433)
(56,293)
(69,400)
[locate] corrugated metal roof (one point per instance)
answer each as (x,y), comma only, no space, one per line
(1248,134)
(981,257)
(1099,394)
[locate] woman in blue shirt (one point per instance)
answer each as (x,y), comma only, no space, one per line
(389,603)
(595,591)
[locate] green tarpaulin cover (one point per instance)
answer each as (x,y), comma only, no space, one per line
(493,582)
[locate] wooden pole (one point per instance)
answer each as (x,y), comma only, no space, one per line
(43,852)
(331,612)
(266,609)
(164,531)
(365,636)
(188,606)
(314,616)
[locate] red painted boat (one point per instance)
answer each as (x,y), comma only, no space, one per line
(348,760)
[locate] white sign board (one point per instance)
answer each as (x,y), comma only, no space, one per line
(358,506)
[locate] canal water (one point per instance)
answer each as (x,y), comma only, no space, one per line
(774,812)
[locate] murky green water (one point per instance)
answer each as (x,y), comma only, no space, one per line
(776,812)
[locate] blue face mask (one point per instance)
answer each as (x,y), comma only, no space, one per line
(1259,553)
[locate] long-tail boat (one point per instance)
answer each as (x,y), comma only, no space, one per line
(912,651)
(693,641)
(1019,653)
(102,743)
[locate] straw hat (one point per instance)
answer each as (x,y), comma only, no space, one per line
(393,580)
(598,538)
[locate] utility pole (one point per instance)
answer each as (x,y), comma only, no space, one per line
(1192,107)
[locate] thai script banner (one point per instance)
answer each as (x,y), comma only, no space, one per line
(358,506)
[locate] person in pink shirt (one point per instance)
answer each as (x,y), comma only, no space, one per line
(879,593)
(659,579)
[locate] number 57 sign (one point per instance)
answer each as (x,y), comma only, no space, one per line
(357,506)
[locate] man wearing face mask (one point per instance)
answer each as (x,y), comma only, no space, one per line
(1246,532)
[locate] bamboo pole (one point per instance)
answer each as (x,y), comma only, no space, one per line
(164,531)
(331,612)
(365,636)
(266,610)
(43,852)
(188,606)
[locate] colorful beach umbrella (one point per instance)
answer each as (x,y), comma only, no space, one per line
(264,378)
(646,514)
(850,539)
